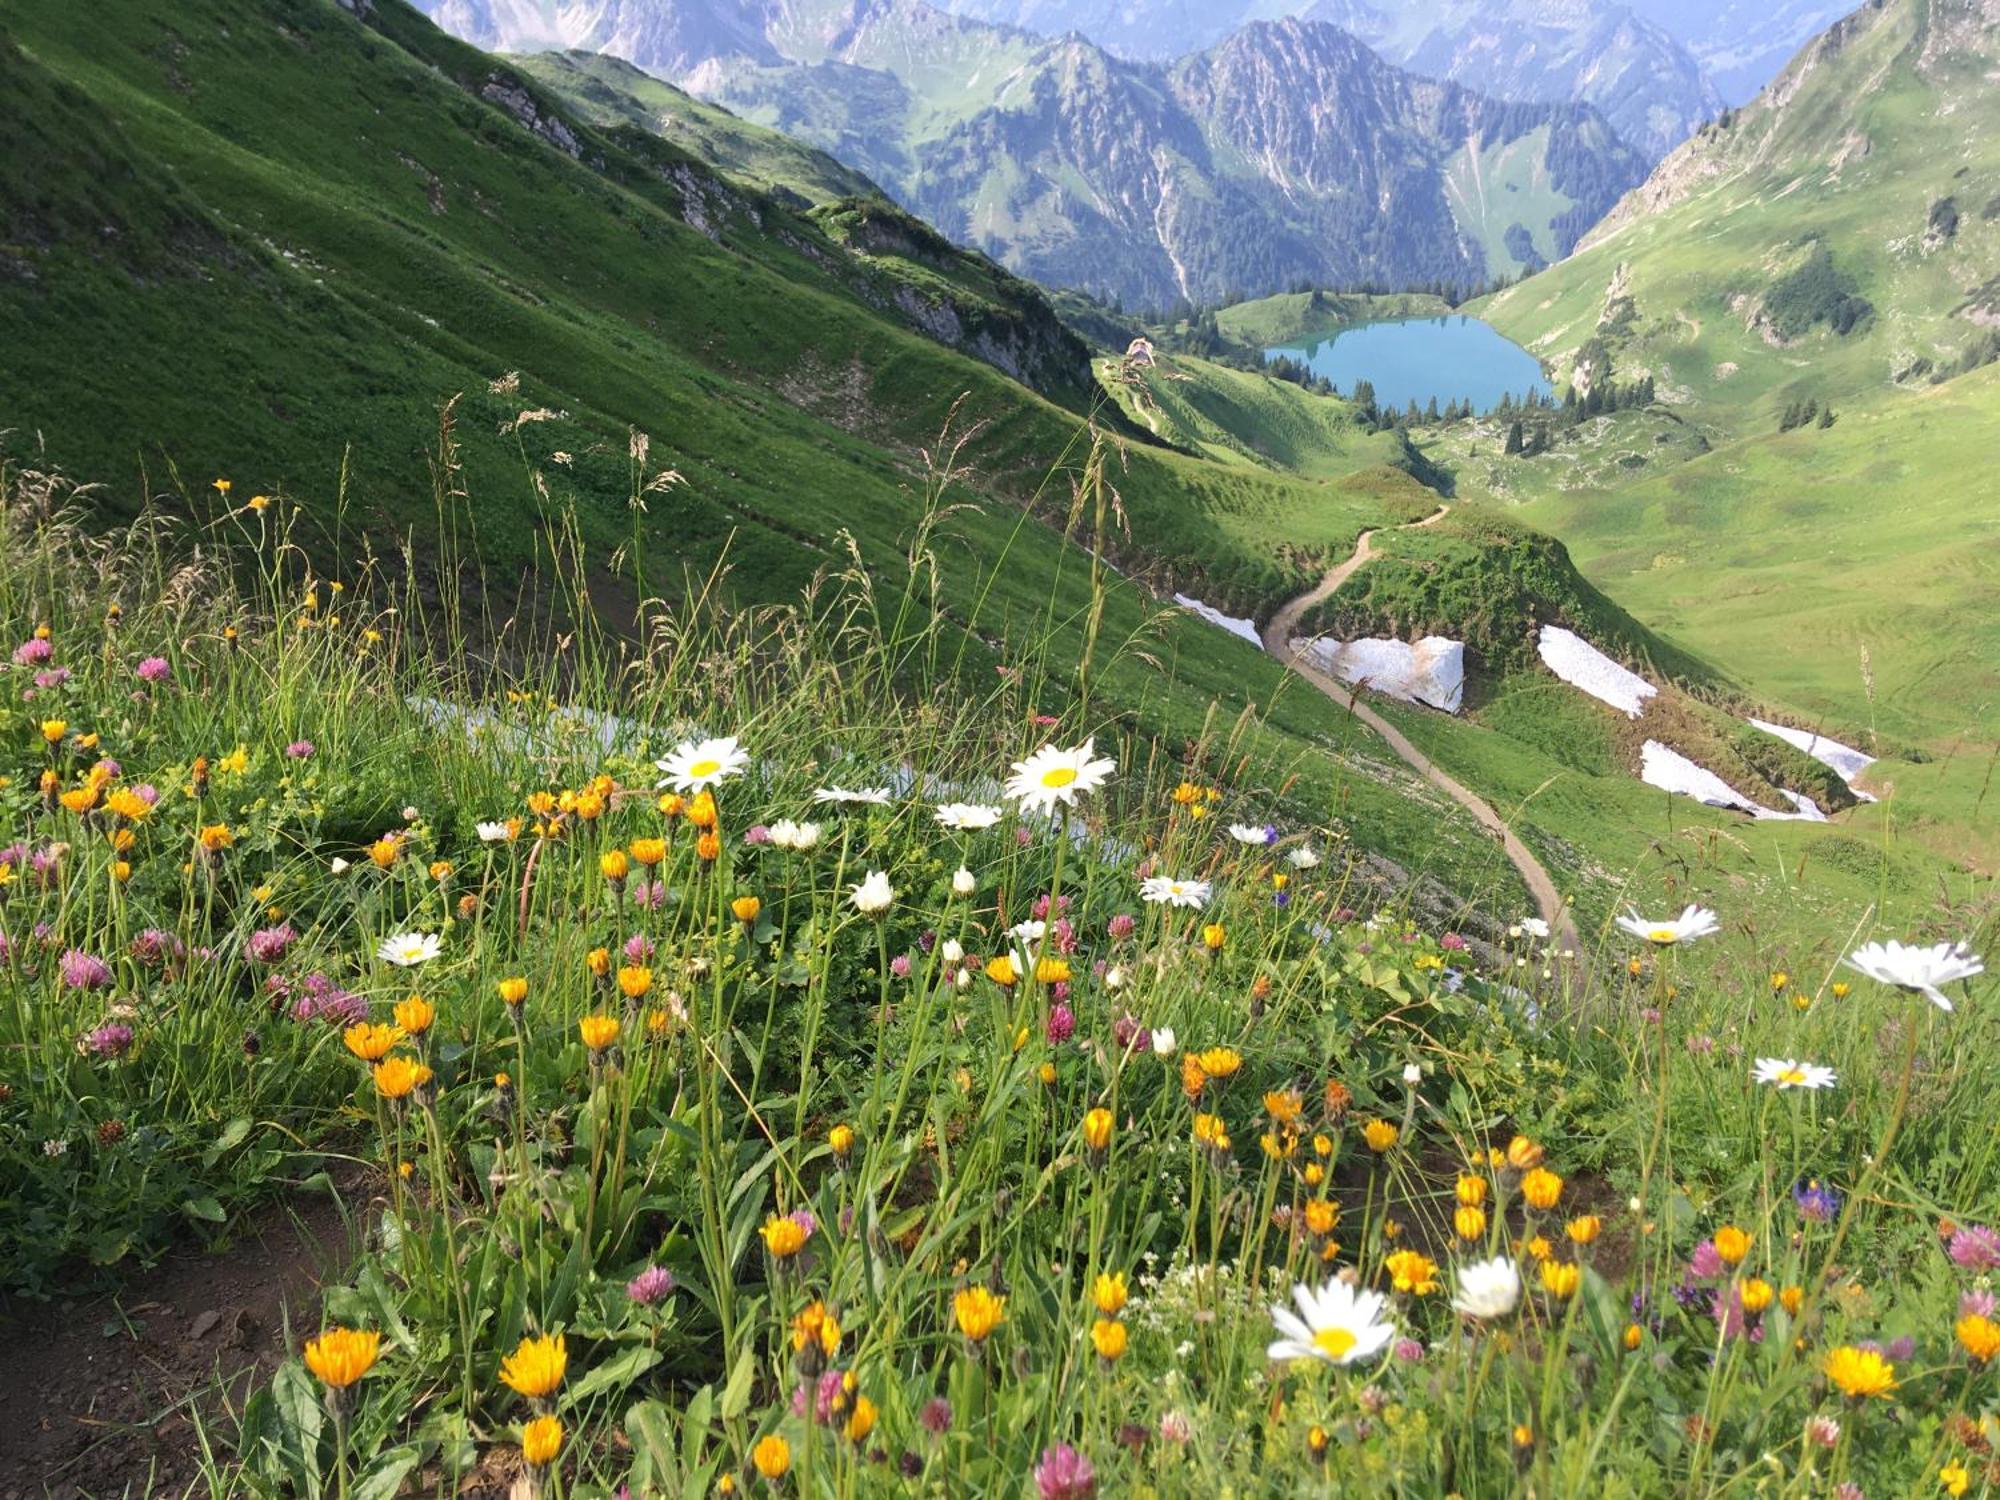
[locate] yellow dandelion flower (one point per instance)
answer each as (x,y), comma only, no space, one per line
(978,1312)
(1859,1373)
(1108,1337)
(536,1366)
(541,1441)
(341,1356)
(371,1041)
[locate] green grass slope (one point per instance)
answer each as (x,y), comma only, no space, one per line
(1836,237)
(609,91)
(292,294)
(1239,416)
(421,220)
(1850,571)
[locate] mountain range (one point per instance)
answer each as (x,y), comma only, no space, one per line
(1288,153)
(1648,85)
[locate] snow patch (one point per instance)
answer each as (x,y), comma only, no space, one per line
(1231,623)
(1804,809)
(1582,665)
(1672,771)
(1845,761)
(1431,672)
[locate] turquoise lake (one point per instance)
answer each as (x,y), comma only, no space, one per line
(1413,359)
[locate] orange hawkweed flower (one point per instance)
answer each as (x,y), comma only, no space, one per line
(399,1077)
(371,1041)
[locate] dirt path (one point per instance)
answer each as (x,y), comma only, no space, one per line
(98,1394)
(1277,641)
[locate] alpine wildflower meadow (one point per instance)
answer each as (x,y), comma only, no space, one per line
(761,1058)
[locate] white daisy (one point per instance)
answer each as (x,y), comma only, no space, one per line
(969,817)
(1028,933)
(695,764)
(1166,890)
(874,895)
(1253,833)
(1918,971)
(1694,922)
(1165,1043)
(1336,1323)
(1786,1074)
(1050,776)
(1488,1288)
(874,796)
(407,949)
(495,833)
(963,882)
(1302,858)
(785,834)
(1534,927)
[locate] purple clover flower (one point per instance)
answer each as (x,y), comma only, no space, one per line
(154,946)
(654,1284)
(83,971)
(1975,1248)
(1065,1474)
(267,945)
(154,669)
(109,1041)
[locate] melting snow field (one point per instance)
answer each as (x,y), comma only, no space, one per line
(1582,665)
(1672,771)
(1845,761)
(1231,623)
(1431,672)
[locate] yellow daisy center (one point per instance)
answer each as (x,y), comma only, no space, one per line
(1058,776)
(1333,1342)
(1792,1075)
(704,768)
(1663,935)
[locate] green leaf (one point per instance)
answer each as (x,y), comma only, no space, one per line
(206,1209)
(384,1475)
(296,1398)
(736,1395)
(613,1373)
(651,1429)
(694,1425)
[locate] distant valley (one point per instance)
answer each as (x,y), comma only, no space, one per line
(1287,153)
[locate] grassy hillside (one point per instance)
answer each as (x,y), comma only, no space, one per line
(1238,416)
(1263,321)
(441,243)
(1835,238)
(298,296)
(608,91)
(1848,571)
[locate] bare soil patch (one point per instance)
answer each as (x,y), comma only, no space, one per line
(99,1394)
